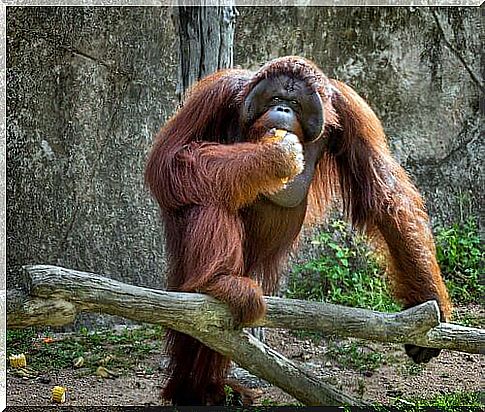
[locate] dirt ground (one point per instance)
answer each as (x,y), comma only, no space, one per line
(396,377)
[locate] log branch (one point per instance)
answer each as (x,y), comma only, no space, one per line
(55,295)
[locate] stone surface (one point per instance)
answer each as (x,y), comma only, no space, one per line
(88,88)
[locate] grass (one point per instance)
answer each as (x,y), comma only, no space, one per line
(412,369)
(347,272)
(270,402)
(351,354)
(448,402)
(468,319)
(461,256)
(114,350)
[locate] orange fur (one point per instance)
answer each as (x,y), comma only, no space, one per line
(213,176)
(379,198)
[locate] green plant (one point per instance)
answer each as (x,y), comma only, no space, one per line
(412,369)
(314,336)
(20,340)
(361,387)
(461,256)
(448,402)
(268,402)
(474,320)
(229,393)
(233,399)
(122,349)
(351,355)
(347,272)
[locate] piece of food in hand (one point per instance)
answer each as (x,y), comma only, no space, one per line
(280,133)
(290,144)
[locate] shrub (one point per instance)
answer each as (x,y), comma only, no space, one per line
(461,257)
(346,272)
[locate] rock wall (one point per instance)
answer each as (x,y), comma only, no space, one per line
(89,87)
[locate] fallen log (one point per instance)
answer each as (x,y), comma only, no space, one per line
(55,295)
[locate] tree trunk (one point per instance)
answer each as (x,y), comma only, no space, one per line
(206,38)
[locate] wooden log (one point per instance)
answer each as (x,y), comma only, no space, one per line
(192,312)
(55,295)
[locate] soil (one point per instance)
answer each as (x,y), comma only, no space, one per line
(395,377)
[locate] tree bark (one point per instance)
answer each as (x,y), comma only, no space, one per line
(206,38)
